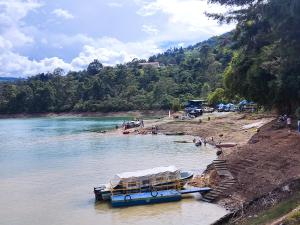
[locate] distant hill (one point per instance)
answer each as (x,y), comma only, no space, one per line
(10,79)
(176,56)
(164,81)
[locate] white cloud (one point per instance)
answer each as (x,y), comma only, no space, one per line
(15,10)
(109,51)
(150,29)
(185,22)
(112,51)
(5,44)
(115,4)
(147,7)
(13,35)
(186,18)
(18,65)
(62,13)
(17,37)
(11,14)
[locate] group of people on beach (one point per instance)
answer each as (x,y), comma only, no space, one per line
(199,142)
(154,129)
(286,119)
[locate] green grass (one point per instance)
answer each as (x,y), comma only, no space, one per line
(293,218)
(276,212)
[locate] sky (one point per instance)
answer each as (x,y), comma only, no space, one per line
(40,35)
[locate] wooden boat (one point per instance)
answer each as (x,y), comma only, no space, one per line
(174,133)
(159,178)
(226,145)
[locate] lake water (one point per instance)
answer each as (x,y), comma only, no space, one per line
(49,166)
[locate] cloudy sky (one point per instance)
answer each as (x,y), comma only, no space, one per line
(41,35)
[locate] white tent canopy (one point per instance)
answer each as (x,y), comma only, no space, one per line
(147,174)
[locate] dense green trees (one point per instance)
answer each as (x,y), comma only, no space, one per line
(216,97)
(258,61)
(266,64)
(184,73)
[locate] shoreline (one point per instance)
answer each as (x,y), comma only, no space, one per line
(273,153)
(133,113)
(264,164)
(266,157)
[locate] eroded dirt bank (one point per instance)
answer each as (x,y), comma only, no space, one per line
(265,163)
(276,160)
(271,174)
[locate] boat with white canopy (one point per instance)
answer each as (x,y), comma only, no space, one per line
(159,178)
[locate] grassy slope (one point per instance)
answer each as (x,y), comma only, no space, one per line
(275,212)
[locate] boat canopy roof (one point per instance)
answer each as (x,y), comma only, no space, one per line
(148,172)
(141,175)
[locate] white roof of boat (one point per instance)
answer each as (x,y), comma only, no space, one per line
(147,172)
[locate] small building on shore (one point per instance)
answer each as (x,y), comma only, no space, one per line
(150,64)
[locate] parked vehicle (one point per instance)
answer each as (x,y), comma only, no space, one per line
(194,108)
(245,106)
(221,107)
(227,107)
(207,109)
(131,124)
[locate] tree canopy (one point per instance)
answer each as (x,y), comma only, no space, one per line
(258,61)
(184,73)
(266,64)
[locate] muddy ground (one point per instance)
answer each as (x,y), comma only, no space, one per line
(274,168)
(221,127)
(265,161)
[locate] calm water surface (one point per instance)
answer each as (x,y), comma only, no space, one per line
(49,166)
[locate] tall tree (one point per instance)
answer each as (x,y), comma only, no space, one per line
(94,67)
(266,66)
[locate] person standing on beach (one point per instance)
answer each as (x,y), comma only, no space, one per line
(289,122)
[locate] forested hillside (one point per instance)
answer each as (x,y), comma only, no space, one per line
(259,61)
(266,63)
(184,73)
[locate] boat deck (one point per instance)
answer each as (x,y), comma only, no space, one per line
(195,190)
(144,198)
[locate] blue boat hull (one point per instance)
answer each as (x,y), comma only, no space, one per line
(145,198)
